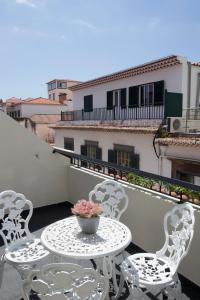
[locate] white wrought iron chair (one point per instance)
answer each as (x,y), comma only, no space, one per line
(22,250)
(64,281)
(112,196)
(114,201)
(157,273)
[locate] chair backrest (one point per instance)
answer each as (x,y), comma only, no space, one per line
(178,226)
(112,196)
(13,218)
(65,281)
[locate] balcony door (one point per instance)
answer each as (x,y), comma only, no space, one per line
(116,98)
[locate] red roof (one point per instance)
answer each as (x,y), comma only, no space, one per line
(196,64)
(41,100)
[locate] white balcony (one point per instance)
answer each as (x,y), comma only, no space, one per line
(27,165)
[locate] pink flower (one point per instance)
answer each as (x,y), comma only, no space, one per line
(86,209)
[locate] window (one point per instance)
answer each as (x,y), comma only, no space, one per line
(123,158)
(53,96)
(116,98)
(124,155)
(91,149)
(147,94)
(61,85)
(185,176)
(50,96)
(51,86)
(88,103)
(69,143)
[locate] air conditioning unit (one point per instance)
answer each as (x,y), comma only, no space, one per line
(177,124)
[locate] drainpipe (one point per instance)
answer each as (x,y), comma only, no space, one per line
(197,103)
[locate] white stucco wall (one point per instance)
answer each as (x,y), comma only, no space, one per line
(194,73)
(144,217)
(143,144)
(44,131)
(172,77)
(27,110)
(28,166)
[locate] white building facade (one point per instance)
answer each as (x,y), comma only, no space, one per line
(115,117)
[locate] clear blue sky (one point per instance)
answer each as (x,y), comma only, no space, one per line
(81,39)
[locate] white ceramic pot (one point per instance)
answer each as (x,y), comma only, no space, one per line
(89,225)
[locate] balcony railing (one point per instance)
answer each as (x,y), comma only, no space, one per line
(116,113)
(192,113)
(182,190)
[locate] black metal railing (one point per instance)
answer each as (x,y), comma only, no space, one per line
(182,190)
(191,113)
(116,113)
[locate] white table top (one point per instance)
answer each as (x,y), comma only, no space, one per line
(65,238)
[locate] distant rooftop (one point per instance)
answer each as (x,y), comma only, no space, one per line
(38,101)
(64,80)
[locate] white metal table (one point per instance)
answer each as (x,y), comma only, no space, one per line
(65,238)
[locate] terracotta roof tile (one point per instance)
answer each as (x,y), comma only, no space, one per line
(144,68)
(41,100)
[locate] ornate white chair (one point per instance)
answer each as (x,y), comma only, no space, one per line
(112,196)
(22,250)
(114,201)
(64,281)
(156,273)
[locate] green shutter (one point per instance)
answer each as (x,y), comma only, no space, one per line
(123,98)
(133,96)
(173,104)
(135,161)
(99,153)
(159,92)
(112,156)
(84,150)
(110,100)
(88,103)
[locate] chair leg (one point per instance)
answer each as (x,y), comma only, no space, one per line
(2,264)
(174,290)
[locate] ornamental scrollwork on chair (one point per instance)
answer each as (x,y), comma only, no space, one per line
(112,196)
(21,248)
(178,226)
(157,273)
(14,226)
(65,281)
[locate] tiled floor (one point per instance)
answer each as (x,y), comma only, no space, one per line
(42,217)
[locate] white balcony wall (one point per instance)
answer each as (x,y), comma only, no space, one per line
(28,166)
(144,216)
(143,144)
(172,77)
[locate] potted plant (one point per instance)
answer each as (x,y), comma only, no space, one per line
(87,213)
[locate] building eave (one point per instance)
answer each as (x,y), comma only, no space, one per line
(181,141)
(143,130)
(162,63)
